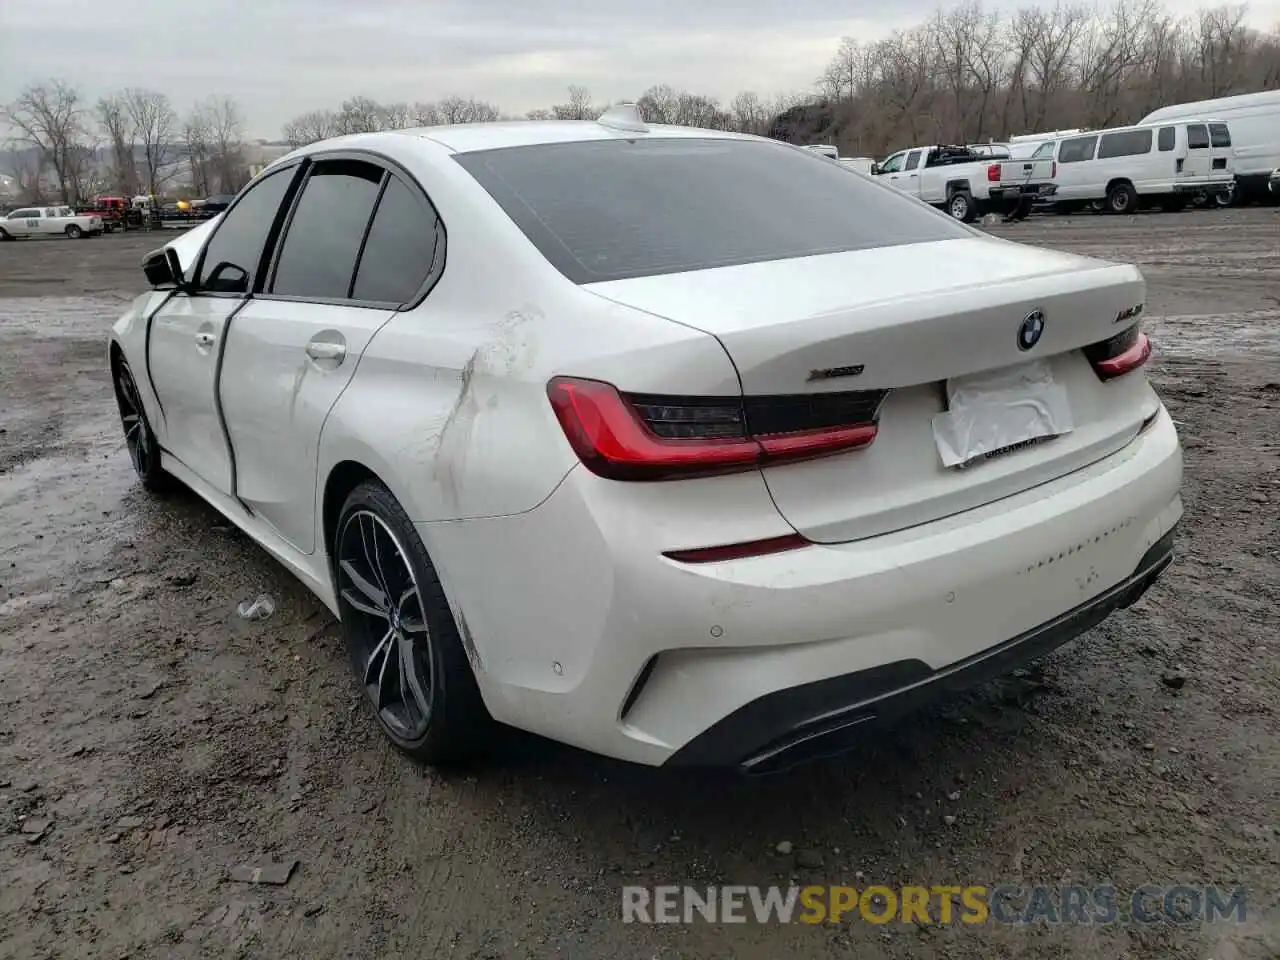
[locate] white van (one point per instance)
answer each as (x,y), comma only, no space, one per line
(1255,133)
(1130,167)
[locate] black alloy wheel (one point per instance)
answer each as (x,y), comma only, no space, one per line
(144,451)
(401,638)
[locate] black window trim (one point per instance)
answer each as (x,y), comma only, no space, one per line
(389,168)
(273,232)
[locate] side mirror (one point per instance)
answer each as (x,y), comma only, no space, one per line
(875,169)
(163,269)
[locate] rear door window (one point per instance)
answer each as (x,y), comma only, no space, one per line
(401,247)
(1077,149)
(1197,136)
(318,258)
(913,160)
(1219,135)
(615,209)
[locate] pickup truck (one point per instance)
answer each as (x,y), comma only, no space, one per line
(49,222)
(955,179)
(1027,181)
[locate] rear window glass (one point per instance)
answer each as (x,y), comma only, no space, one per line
(1219,135)
(610,210)
(1197,137)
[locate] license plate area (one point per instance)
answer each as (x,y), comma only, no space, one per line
(1000,412)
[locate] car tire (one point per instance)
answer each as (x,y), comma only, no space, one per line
(5,234)
(402,640)
(74,232)
(961,206)
(1226,198)
(1122,198)
(139,438)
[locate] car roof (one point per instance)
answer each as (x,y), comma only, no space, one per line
(469,137)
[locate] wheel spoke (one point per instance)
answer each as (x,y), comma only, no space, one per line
(359,603)
(410,688)
(376,580)
(374,595)
(379,567)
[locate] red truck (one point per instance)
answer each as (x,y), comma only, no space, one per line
(116,213)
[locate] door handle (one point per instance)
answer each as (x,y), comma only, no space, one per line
(205,339)
(320,350)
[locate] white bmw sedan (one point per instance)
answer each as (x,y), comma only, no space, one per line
(679,446)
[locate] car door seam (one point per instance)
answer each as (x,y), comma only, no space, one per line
(146,353)
(217,403)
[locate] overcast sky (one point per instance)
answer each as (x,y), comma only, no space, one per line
(279,58)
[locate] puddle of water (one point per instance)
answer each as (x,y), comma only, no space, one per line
(62,317)
(1197,335)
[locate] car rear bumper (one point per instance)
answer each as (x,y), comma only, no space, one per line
(825,717)
(583,631)
(1039,191)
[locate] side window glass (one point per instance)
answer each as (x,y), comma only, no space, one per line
(318,258)
(1219,135)
(1076,150)
(893,164)
(913,160)
(401,247)
(231,259)
(1197,137)
(1167,135)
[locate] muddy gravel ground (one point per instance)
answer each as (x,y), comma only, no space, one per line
(154,741)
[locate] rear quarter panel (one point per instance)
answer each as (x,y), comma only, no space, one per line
(448,404)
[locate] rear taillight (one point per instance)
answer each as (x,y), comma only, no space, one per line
(648,437)
(1053,170)
(993,173)
(1121,354)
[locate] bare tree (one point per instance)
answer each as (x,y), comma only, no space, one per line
(196,141)
(659,104)
(578,106)
(540,114)
(223,129)
(1223,43)
(359,115)
(310,127)
(157,129)
(49,117)
(460,110)
(750,114)
(25,164)
(113,118)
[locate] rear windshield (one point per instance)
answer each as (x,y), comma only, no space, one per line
(615,209)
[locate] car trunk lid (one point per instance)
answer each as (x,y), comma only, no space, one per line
(909,321)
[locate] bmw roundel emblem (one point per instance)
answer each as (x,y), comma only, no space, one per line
(1030,330)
